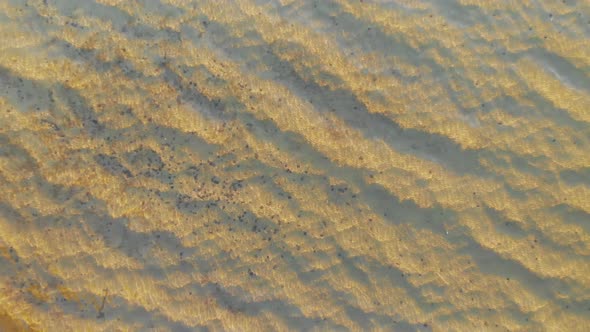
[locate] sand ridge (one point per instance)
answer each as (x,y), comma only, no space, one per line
(294,165)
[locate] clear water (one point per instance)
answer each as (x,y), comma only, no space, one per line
(294,165)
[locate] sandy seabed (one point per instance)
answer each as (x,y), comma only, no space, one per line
(262,165)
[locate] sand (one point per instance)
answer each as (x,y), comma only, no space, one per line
(262,165)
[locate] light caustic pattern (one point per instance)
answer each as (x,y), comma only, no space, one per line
(294,165)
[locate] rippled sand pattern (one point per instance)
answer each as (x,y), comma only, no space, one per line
(293,165)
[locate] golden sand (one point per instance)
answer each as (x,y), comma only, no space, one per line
(294,165)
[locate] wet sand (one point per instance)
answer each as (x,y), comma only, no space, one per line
(261,165)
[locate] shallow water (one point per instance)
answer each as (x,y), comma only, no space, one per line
(294,165)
